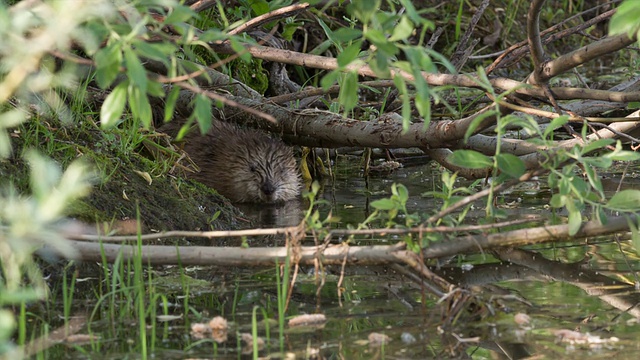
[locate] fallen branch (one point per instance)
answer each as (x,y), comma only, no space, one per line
(296,229)
(339,253)
(465,80)
(234,256)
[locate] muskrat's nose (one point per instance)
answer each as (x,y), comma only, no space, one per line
(268,188)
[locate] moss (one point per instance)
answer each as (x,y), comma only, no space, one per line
(251,73)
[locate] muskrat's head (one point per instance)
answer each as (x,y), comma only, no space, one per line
(262,171)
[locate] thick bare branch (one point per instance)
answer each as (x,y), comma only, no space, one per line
(465,80)
(580,56)
(335,254)
(516,238)
(236,256)
(533,38)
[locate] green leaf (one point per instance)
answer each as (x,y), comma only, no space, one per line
(575,218)
(380,65)
(290,29)
(5,144)
(328,80)
(212,35)
(330,35)
(179,14)
(238,47)
(402,192)
(384,46)
(623,155)
(403,30)
(12,118)
(140,107)
(349,54)
(384,204)
(596,145)
(155,89)
(401,85)
(108,60)
(18,296)
(477,121)
(442,60)
(555,124)
(155,51)
(470,159)
(113,106)
(170,104)
(348,96)
(344,34)
(45,174)
(594,179)
(635,235)
(136,72)
(601,162)
(423,105)
(202,112)
(364,10)
(259,7)
(413,14)
(557,201)
(184,130)
(625,200)
(510,165)
(601,216)
(625,20)
(552,180)
(579,186)
(420,59)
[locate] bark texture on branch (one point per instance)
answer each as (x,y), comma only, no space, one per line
(334,254)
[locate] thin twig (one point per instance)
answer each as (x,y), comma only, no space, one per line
(518,50)
(287,230)
(226,101)
(270,16)
(480,194)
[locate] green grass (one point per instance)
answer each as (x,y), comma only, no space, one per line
(282,285)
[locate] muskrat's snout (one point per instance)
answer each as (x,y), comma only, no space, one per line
(268,188)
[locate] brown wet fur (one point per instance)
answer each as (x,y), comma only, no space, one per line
(244,165)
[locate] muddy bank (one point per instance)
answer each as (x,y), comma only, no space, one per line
(129,178)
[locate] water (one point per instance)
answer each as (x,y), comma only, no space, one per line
(504,310)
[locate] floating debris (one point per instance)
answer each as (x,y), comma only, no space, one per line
(578,338)
(308,319)
(164,318)
(200,331)
(377,339)
(407,338)
(219,329)
(522,319)
(247,339)
(79,339)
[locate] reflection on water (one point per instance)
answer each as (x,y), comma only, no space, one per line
(289,213)
(586,288)
(566,293)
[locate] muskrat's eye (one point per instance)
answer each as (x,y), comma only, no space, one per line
(253,168)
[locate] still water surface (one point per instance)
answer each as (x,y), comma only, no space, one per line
(522,311)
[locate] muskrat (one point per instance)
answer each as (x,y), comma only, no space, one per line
(245,165)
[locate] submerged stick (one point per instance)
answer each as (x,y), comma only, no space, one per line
(234,256)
